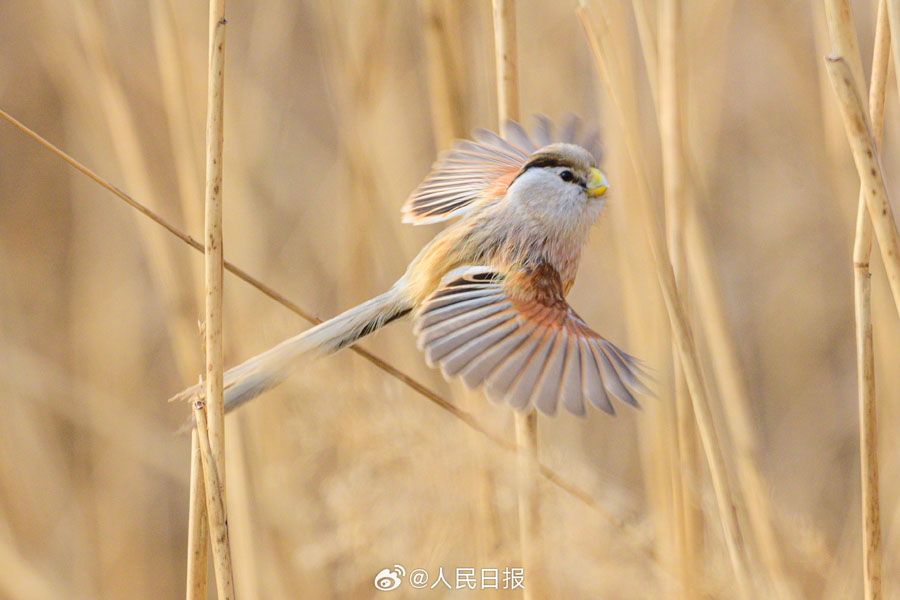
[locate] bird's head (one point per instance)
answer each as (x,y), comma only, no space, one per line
(560,184)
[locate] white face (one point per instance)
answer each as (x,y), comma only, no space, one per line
(562,198)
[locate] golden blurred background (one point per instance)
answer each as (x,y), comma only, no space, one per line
(333,113)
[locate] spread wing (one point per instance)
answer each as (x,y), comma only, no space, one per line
(482,168)
(516,335)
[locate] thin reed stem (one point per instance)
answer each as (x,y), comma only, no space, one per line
(198,528)
(505,55)
(212,441)
(846,63)
(865,156)
(893,10)
(214,258)
(441,67)
(700,273)
(215,506)
(686,513)
(843,38)
(681,329)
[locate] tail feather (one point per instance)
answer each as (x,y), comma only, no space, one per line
(265,371)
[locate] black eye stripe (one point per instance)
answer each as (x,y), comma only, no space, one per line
(549,161)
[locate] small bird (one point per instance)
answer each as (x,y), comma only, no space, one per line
(488,294)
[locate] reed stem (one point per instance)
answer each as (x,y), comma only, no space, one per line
(505,54)
(686,514)
(681,328)
(843,40)
(215,506)
(198,528)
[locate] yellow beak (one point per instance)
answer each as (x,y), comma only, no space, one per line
(597,185)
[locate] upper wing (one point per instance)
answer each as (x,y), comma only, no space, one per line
(481,168)
(517,335)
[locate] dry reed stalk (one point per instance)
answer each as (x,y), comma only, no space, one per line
(656,431)
(466,418)
(505,55)
(445,87)
(735,401)
(845,48)
(862,249)
(696,257)
(868,165)
(653,426)
(212,440)
(198,528)
(170,61)
(681,329)
(442,68)
(214,262)
(127,145)
(669,98)
(893,11)
(215,506)
(843,42)
(648,47)
(667,448)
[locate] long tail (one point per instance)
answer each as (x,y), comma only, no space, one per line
(264,371)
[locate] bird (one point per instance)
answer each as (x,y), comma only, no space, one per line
(488,293)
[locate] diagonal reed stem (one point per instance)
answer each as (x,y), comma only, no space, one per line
(681,329)
(215,506)
(843,78)
(668,100)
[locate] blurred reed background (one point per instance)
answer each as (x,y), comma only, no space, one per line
(333,113)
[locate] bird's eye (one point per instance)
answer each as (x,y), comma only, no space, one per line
(567,176)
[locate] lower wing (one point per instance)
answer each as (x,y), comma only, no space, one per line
(515,334)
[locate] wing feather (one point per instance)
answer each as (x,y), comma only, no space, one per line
(515,335)
(479,169)
(519,395)
(499,382)
(611,380)
(592,381)
(571,394)
(546,393)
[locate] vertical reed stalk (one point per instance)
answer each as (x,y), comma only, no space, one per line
(505,53)
(893,10)
(681,329)
(845,48)
(214,261)
(843,37)
(686,514)
(442,68)
(865,354)
(440,30)
(212,435)
(198,528)
(170,62)
(731,388)
(643,310)
(868,165)
(215,506)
